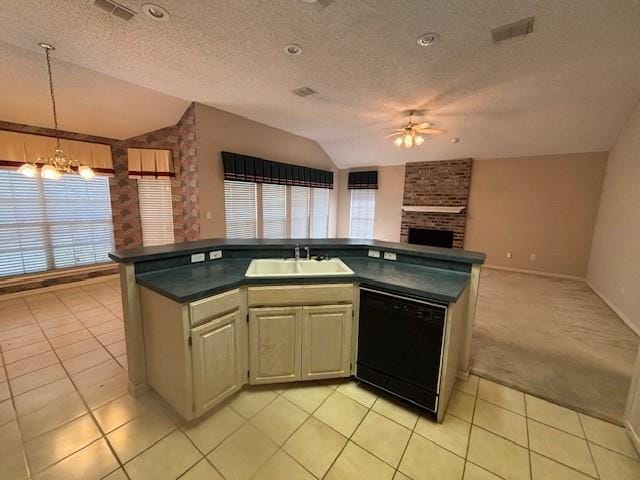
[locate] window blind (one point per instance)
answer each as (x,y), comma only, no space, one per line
(50,224)
(299,212)
(274,211)
(240,209)
(363,205)
(320,214)
(156,211)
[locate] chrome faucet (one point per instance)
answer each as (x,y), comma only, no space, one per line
(306,249)
(296,252)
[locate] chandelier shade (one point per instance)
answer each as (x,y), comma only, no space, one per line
(53,167)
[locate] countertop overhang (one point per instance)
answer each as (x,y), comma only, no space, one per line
(192,282)
(429,272)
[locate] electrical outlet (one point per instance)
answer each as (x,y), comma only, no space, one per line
(509,255)
(390,256)
(374,253)
(215,255)
(208,215)
(532,257)
(197,257)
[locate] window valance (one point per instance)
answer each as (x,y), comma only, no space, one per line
(17,148)
(243,168)
(150,163)
(363,180)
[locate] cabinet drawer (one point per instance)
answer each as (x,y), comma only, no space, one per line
(300,295)
(206,308)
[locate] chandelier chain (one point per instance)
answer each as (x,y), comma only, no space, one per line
(53,98)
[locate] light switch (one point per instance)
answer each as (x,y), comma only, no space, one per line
(215,255)
(374,253)
(390,256)
(208,215)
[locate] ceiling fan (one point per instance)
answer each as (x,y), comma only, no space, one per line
(410,135)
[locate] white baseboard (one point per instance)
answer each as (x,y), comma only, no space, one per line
(611,305)
(534,272)
(635,438)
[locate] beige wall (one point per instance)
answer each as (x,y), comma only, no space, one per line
(388,203)
(217,130)
(543,205)
(614,267)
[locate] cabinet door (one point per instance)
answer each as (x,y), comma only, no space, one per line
(274,344)
(326,341)
(216,360)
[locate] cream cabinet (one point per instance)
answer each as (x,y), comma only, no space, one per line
(196,353)
(326,341)
(274,345)
(216,360)
(288,344)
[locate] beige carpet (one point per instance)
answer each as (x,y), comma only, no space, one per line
(553,338)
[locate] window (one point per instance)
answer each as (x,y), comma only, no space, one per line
(156,212)
(363,206)
(320,214)
(274,211)
(299,212)
(51,224)
(285,211)
(240,209)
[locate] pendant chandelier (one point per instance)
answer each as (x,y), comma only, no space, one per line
(54,167)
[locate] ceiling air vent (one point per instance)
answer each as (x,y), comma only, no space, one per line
(115,8)
(304,91)
(512,30)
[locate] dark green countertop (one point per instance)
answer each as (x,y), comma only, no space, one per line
(192,282)
(186,248)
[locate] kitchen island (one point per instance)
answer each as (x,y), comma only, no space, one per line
(198,329)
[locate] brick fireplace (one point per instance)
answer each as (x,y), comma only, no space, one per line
(437,184)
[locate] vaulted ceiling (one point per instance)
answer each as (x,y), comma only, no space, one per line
(567,87)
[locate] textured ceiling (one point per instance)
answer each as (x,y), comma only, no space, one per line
(568,87)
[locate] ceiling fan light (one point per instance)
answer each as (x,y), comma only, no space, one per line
(50,172)
(86,172)
(419,140)
(28,170)
(398,142)
(408,141)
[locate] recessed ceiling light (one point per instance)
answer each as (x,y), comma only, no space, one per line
(428,39)
(293,49)
(156,12)
(308,1)
(454,140)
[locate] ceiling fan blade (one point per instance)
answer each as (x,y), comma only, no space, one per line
(393,134)
(430,131)
(422,125)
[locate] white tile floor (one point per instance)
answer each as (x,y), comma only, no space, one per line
(65,414)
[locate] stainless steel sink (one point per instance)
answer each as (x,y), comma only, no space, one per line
(274,267)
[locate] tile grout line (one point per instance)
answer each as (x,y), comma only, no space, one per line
(473,414)
(86,405)
(15,419)
(404,451)
(309,415)
(526,420)
(593,460)
(349,437)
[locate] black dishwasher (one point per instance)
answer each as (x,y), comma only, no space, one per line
(400,343)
